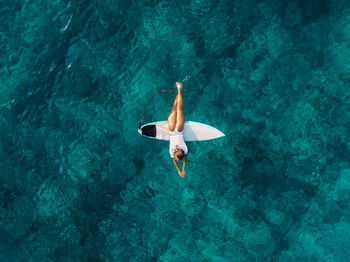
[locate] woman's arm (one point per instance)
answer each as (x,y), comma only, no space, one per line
(177,168)
(184,165)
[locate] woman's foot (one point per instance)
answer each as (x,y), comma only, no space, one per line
(179,86)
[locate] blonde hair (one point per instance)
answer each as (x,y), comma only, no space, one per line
(179,154)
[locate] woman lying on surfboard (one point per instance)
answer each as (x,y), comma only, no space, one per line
(176,122)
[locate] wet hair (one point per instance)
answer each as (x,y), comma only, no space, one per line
(179,153)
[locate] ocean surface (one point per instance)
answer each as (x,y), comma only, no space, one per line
(77,181)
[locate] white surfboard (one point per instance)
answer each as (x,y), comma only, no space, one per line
(193,131)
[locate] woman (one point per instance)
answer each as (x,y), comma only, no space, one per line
(176,123)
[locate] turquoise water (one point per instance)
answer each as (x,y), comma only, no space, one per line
(78,183)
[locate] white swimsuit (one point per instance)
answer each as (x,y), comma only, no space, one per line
(176,140)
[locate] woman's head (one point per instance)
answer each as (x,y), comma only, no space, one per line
(179,154)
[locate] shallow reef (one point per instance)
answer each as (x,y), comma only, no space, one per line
(77,182)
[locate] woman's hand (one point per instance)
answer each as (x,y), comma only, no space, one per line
(182,173)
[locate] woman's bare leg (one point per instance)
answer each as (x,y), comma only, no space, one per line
(180,119)
(172,116)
